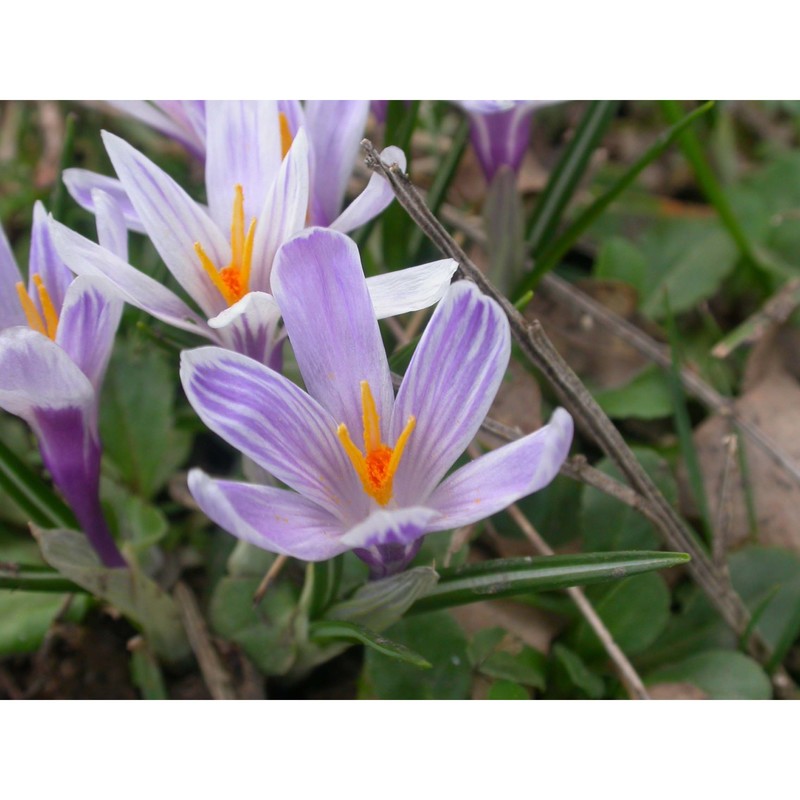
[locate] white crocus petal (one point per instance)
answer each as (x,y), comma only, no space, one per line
(410,289)
(250,326)
(11,312)
(112,233)
(81,183)
(375,198)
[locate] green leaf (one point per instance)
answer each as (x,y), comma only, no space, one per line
(507,690)
(439,639)
(619,259)
(26,578)
(327,630)
(568,172)
(379,604)
(266,633)
(146,673)
(635,612)
(25,618)
(528,667)
(609,525)
(483,644)
(721,674)
(135,595)
(570,676)
(647,396)
(513,576)
(137,422)
(694,275)
(323,585)
(502,216)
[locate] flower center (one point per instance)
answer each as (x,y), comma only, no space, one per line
(232,281)
(46,322)
(377,465)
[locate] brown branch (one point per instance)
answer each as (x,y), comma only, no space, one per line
(215,675)
(272,573)
(536,346)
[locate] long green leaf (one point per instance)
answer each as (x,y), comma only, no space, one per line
(59,194)
(514,576)
(568,173)
(555,252)
(693,150)
(27,489)
(326,630)
(25,578)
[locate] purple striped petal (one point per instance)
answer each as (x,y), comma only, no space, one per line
(449,386)
(284,212)
(112,232)
(87,258)
(81,183)
(274,519)
(173,221)
(11,312)
(410,289)
(320,288)
(388,539)
(45,262)
(87,325)
(275,423)
(335,128)
(250,327)
(191,116)
(494,481)
(243,146)
(293,111)
(164,120)
(43,386)
(375,198)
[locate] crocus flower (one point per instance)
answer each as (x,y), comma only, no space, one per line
(55,340)
(257,183)
(334,129)
(500,130)
(366,471)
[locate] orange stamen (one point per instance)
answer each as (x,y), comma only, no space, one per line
(233,280)
(377,467)
(46,323)
(286,134)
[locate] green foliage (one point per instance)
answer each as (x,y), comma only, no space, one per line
(647,396)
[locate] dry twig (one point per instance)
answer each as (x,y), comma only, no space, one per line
(272,573)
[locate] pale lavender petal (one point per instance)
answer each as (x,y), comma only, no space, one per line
(167,123)
(43,386)
(335,128)
(275,423)
(250,327)
(88,323)
(449,386)
(11,312)
(112,232)
(173,221)
(379,109)
(243,146)
(191,116)
(388,539)
(293,111)
(45,262)
(274,519)
(81,183)
(319,285)
(410,289)
(284,212)
(84,257)
(494,481)
(376,195)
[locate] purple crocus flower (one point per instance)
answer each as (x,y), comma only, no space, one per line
(55,340)
(257,183)
(182,120)
(366,471)
(500,130)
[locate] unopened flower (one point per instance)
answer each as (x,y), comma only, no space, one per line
(366,471)
(56,336)
(500,131)
(257,184)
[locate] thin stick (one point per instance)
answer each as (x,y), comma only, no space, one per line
(215,675)
(627,674)
(536,346)
(266,581)
(731,444)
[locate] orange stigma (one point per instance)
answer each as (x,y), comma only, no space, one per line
(46,322)
(286,134)
(377,467)
(233,280)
